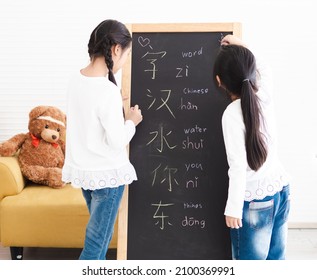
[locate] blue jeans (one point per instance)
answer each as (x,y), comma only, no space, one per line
(103,205)
(264,232)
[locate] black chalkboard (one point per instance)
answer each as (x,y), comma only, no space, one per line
(175,209)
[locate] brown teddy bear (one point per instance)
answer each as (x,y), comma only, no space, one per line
(42,150)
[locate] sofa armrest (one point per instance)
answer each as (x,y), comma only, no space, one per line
(11,179)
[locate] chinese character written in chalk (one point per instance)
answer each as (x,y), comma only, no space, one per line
(162,138)
(163,100)
(152,57)
(168,173)
(161,218)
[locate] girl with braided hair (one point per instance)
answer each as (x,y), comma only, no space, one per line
(96,157)
(257,207)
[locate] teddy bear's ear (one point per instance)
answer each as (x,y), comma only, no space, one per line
(37,111)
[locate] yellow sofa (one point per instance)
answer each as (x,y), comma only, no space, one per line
(34,215)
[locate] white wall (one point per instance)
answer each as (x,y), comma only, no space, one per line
(41,42)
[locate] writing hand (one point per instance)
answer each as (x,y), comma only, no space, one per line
(231,40)
(134,114)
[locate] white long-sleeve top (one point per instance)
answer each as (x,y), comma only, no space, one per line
(97,135)
(246,184)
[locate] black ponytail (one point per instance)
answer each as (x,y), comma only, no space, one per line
(251,111)
(236,67)
(106,35)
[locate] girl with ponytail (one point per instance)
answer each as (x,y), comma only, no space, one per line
(258,196)
(96,158)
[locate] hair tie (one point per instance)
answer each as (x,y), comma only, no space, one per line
(246,80)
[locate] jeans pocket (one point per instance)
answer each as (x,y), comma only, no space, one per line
(261,213)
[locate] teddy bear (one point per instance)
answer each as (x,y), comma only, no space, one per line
(41,151)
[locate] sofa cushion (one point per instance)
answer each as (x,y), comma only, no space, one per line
(41,216)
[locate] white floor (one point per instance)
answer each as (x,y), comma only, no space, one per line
(302,245)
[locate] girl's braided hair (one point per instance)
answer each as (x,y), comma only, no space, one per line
(107,34)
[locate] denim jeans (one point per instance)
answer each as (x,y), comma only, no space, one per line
(103,205)
(264,232)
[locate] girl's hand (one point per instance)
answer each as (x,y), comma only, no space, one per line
(231,40)
(134,114)
(232,222)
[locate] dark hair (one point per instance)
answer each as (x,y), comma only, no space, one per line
(107,34)
(236,67)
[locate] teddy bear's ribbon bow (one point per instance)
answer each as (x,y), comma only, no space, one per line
(36,142)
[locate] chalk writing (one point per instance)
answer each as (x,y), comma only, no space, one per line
(162,219)
(191,205)
(193,53)
(188,106)
(144,42)
(192,183)
(162,138)
(182,71)
(152,58)
(221,37)
(191,222)
(195,91)
(193,166)
(164,101)
(195,129)
(168,178)
(189,144)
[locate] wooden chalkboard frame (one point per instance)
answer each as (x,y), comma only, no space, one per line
(234,27)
